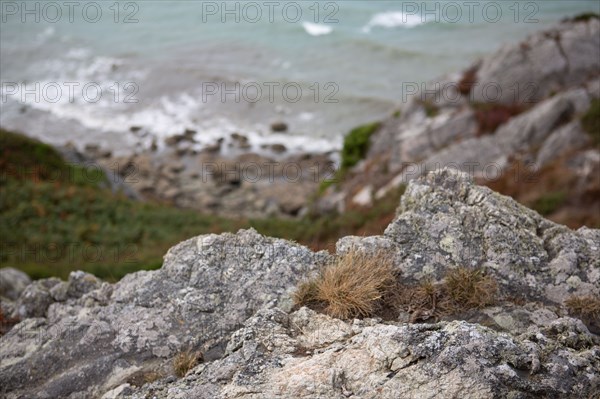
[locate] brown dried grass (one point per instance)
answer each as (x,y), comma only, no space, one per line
(353,285)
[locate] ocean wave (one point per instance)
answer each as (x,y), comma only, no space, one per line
(393,19)
(316,29)
(46,33)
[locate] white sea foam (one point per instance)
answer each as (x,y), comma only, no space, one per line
(45,34)
(316,29)
(393,19)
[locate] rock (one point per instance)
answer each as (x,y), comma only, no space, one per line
(546,62)
(240,141)
(364,197)
(207,287)
(35,299)
(306,355)
(487,156)
(276,148)
(189,134)
(566,139)
(445,220)
(214,148)
(95,152)
(279,127)
(171,193)
(290,196)
(172,141)
(120,391)
(12,283)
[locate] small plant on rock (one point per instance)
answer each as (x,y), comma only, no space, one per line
(585,307)
(353,285)
(470,288)
(185,361)
(590,122)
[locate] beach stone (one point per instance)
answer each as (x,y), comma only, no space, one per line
(279,127)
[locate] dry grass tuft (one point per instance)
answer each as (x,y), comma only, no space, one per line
(470,288)
(584,307)
(463,289)
(423,302)
(185,361)
(306,293)
(354,285)
(362,285)
(143,377)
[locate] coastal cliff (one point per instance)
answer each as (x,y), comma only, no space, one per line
(484,297)
(523,121)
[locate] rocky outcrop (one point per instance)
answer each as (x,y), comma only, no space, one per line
(228,296)
(546,62)
(246,185)
(527,127)
(12,284)
(305,355)
(82,338)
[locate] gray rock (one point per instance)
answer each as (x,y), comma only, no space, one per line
(306,355)
(568,138)
(102,334)
(35,299)
(445,221)
(545,62)
(12,283)
(488,156)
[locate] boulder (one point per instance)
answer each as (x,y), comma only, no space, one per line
(546,62)
(98,336)
(12,283)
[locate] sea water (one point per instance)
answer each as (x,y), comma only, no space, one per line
(124,74)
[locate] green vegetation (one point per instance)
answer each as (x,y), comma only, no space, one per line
(549,203)
(585,17)
(431,110)
(56,217)
(591,121)
(356,145)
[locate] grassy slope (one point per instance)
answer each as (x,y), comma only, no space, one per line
(56,217)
